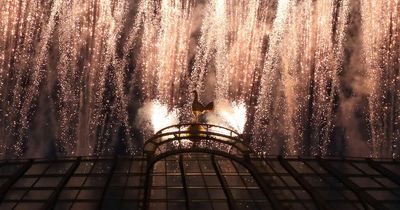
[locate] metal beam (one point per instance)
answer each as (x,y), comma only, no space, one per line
(3,163)
(276,205)
(224,185)
(17,175)
(184,183)
(147,183)
(384,171)
(318,200)
(265,187)
(111,172)
(362,195)
(50,204)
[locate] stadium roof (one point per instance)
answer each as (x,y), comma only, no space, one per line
(199,167)
(199,181)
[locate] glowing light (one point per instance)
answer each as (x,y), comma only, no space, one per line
(64,56)
(161,117)
(229,114)
(235,117)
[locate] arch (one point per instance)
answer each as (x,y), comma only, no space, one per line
(264,187)
(197,136)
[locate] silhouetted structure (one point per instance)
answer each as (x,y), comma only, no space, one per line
(181,170)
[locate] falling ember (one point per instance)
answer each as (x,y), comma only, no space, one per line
(83,77)
(381,48)
(299,80)
(163,57)
(231,45)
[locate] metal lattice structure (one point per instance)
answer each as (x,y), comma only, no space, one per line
(193,176)
(199,181)
(197,137)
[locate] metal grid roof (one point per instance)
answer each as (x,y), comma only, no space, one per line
(199,181)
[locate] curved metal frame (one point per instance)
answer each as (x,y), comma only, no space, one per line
(198,139)
(246,164)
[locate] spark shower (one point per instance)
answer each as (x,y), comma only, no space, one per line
(315,77)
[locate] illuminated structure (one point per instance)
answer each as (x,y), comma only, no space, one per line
(199,166)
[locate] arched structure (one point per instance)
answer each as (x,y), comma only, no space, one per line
(198,179)
(189,142)
(197,137)
(198,166)
(186,158)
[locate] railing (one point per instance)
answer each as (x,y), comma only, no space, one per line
(197,137)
